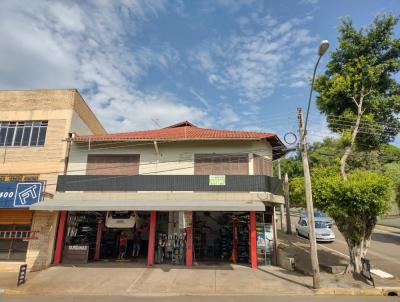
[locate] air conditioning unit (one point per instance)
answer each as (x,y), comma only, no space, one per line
(121,219)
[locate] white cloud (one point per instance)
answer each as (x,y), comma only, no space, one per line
(200,98)
(298,84)
(309,1)
(254,65)
(85,45)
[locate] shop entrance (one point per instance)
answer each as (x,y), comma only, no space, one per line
(221,236)
(112,235)
(225,237)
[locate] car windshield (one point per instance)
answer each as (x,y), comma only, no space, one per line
(320,225)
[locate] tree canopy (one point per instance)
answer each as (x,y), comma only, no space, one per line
(362,70)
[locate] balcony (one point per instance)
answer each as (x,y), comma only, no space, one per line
(196,183)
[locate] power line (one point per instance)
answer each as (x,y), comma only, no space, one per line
(164,162)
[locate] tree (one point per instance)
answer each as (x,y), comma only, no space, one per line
(354,204)
(358,92)
(392,170)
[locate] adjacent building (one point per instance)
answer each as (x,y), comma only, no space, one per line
(34,131)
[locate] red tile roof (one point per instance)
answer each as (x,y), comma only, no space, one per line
(180,131)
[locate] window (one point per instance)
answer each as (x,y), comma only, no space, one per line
(113,164)
(221,164)
(28,133)
(18,177)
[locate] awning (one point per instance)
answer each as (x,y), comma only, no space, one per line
(149,205)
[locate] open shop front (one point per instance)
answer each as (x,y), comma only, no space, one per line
(226,237)
(108,236)
(176,232)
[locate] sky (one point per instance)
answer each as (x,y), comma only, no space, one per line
(227,64)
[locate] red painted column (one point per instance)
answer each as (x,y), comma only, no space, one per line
(253,240)
(275,259)
(189,240)
(100,228)
(60,237)
(234,256)
(152,238)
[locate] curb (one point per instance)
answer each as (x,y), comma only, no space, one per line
(388,228)
(389,291)
(12,292)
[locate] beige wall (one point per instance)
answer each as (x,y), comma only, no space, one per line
(66,112)
(174,158)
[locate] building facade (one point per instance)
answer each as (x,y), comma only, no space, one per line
(176,195)
(34,127)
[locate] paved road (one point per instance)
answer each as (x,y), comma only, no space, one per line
(384,252)
(265,298)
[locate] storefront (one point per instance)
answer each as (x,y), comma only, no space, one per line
(16,218)
(210,232)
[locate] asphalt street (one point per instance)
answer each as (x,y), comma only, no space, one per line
(265,298)
(384,252)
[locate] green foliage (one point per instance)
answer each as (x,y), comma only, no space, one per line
(354,204)
(296,192)
(392,170)
(364,63)
(292,166)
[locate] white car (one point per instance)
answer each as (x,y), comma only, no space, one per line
(322,230)
(121,219)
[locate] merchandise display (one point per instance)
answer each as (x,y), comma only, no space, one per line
(80,240)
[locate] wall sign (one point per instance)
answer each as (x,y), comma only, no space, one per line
(216,180)
(20,194)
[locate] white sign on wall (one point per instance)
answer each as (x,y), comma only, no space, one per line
(216,180)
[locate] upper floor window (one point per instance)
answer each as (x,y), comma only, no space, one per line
(221,164)
(25,133)
(18,177)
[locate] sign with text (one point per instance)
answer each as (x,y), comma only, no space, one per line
(20,194)
(216,180)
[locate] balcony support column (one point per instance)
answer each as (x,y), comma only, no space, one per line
(152,238)
(100,229)
(253,241)
(62,220)
(189,239)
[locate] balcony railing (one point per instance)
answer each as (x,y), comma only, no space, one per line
(199,183)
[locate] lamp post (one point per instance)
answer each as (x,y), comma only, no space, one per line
(307,178)
(323,47)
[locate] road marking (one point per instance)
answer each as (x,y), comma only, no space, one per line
(381,273)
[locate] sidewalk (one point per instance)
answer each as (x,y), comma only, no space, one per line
(331,265)
(138,280)
(391,222)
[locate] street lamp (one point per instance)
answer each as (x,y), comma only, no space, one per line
(323,47)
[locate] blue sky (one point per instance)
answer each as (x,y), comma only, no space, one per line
(219,63)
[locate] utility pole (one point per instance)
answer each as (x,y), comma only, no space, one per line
(310,207)
(282,209)
(287,204)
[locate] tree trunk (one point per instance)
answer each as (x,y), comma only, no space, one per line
(343,160)
(349,149)
(356,253)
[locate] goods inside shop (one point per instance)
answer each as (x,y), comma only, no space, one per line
(214,237)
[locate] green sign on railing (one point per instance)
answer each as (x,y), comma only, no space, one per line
(216,180)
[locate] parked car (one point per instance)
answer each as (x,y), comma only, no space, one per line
(322,230)
(320,216)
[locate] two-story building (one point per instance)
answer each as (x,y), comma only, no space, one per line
(34,126)
(172,195)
